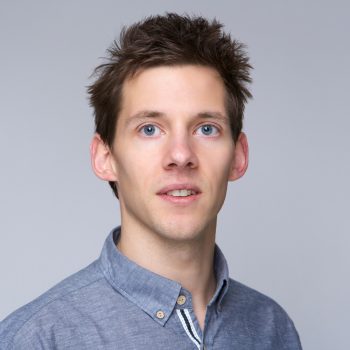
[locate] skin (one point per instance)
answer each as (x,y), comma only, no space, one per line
(172,129)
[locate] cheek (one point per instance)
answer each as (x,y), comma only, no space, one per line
(137,167)
(218,162)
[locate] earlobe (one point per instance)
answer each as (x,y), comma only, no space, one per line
(241,158)
(102,160)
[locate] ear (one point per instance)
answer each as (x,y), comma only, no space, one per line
(241,157)
(102,160)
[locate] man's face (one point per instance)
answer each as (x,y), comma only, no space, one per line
(173,152)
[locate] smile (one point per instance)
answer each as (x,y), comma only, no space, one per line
(180,193)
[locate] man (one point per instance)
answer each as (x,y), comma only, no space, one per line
(168,112)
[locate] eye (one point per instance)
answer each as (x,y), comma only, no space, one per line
(208,130)
(150,130)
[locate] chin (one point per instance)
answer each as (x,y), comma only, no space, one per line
(180,231)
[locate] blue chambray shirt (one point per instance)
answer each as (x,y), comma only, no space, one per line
(115,304)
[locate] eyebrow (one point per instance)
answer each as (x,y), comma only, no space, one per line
(144,115)
(213,115)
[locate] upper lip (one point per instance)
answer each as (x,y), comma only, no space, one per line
(183,186)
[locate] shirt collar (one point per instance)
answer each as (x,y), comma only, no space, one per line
(222,277)
(148,290)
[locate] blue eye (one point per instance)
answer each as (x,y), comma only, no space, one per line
(208,130)
(150,130)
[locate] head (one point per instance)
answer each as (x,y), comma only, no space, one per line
(169,40)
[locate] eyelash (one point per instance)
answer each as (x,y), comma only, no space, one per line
(142,128)
(212,126)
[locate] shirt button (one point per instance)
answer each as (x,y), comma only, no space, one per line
(181,300)
(160,314)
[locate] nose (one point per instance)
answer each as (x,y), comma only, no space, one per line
(180,153)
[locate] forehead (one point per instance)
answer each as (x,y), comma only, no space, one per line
(188,89)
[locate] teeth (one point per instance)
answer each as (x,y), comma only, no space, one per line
(180,193)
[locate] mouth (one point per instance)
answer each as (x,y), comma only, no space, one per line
(180,193)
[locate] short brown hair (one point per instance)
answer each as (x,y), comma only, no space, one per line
(169,40)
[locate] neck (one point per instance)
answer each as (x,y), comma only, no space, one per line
(188,262)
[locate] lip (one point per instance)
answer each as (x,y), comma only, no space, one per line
(184,186)
(180,200)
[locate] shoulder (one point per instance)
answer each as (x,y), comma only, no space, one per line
(50,306)
(261,315)
(249,298)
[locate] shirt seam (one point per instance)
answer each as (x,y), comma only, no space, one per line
(47,303)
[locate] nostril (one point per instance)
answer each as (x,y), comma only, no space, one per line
(186,165)
(181,155)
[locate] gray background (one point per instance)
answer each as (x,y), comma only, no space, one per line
(285,225)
